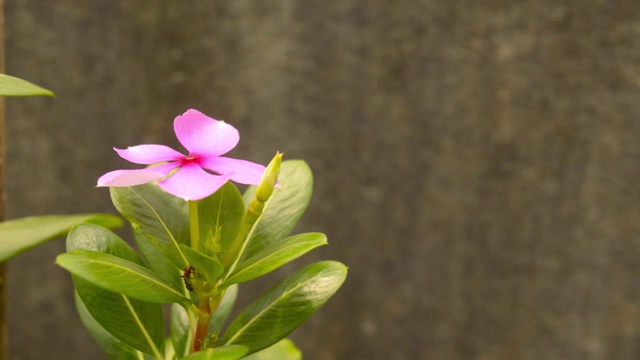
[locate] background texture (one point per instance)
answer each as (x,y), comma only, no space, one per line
(477,162)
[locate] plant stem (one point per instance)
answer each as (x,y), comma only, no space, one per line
(253,213)
(194,226)
(232,253)
(207,305)
(204,314)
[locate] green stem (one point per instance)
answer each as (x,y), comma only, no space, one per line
(207,305)
(230,260)
(232,253)
(204,314)
(194,227)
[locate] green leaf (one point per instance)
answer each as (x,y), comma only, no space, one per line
(231,352)
(118,275)
(224,309)
(285,306)
(283,209)
(180,330)
(114,348)
(158,215)
(285,349)
(275,255)
(209,267)
(13,86)
(158,261)
(17,236)
(136,323)
(169,351)
(220,216)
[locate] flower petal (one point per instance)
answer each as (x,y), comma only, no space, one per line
(148,154)
(240,171)
(190,182)
(137,176)
(204,136)
(129,177)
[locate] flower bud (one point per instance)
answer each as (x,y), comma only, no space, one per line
(269,179)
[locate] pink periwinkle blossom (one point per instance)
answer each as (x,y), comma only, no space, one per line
(188,176)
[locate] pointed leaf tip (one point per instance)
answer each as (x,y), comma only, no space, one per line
(13,86)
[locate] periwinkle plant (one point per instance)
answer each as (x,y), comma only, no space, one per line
(198,238)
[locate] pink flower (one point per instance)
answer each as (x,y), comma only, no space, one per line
(185,176)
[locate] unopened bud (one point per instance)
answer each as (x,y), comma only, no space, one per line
(269,179)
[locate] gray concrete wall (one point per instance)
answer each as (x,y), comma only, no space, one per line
(477,162)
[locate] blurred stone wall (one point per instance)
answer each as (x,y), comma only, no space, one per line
(477,162)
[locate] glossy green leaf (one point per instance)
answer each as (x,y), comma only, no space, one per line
(158,215)
(219,317)
(283,209)
(118,275)
(205,265)
(17,236)
(13,86)
(113,347)
(136,323)
(275,255)
(285,306)
(220,216)
(285,349)
(180,330)
(231,352)
(158,261)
